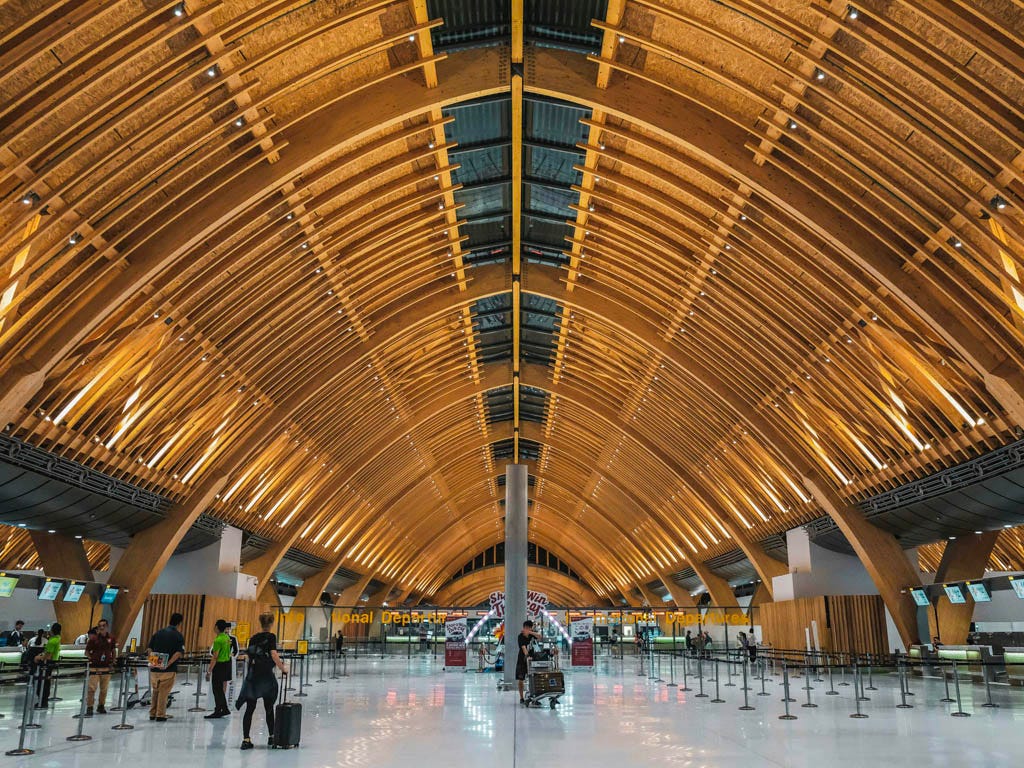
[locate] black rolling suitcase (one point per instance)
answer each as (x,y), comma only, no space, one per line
(287,720)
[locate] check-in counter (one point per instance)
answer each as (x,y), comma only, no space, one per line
(1014,659)
(9,660)
(974,658)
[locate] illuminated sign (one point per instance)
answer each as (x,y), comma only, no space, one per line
(955,594)
(50,589)
(979,593)
(1018,587)
(109,595)
(920,596)
(74,592)
(7,584)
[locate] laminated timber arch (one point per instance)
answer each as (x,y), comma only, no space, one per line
(783,220)
(473,588)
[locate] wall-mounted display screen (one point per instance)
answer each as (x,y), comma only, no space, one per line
(979,593)
(1018,587)
(7,585)
(109,595)
(50,589)
(74,592)
(920,596)
(954,593)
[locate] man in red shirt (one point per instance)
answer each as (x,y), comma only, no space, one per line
(101,651)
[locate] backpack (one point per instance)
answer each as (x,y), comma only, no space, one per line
(259,654)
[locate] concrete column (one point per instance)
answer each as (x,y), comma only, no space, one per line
(516,509)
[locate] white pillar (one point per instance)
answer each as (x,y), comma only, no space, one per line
(516,507)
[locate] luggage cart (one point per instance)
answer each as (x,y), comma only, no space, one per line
(543,683)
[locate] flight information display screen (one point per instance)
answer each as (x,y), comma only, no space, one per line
(979,593)
(955,594)
(74,592)
(109,595)
(1018,587)
(50,590)
(7,585)
(920,596)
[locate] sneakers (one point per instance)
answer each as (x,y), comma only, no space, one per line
(214,715)
(88,711)
(246,744)
(101,709)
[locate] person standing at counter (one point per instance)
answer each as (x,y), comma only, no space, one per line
(49,657)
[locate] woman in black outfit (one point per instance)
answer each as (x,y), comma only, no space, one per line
(260,682)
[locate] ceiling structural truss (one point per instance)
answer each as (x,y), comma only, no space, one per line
(711,270)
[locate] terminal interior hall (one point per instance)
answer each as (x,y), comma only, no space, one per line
(519,382)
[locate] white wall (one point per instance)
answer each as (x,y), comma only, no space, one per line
(818,571)
(212,570)
(1004,614)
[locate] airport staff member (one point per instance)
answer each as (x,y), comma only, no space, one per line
(50,656)
(219,670)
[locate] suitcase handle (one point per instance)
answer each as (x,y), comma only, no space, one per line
(284,687)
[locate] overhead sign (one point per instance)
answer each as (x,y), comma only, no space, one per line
(455,631)
(536,603)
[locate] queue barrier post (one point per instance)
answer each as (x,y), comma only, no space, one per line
(672,671)
(686,686)
(344,664)
(728,671)
(985,671)
(304,682)
(718,696)
(79,736)
(26,709)
(199,689)
(959,705)
(807,672)
(871,679)
(831,678)
(124,725)
(700,679)
(35,683)
(858,715)
(947,699)
(843,667)
(859,676)
(764,664)
(809,704)
(321,680)
(302,675)
(817,667)
(901,671)
(746,695)
(785,692)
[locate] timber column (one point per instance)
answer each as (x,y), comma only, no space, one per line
(515,564)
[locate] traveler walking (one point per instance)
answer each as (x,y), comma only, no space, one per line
(259,682)
(219,671)
(101,650)
(165,648)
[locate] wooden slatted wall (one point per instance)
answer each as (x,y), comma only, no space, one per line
(200,612)
(845,623)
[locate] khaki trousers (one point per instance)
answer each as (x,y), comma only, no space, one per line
(98,678)
(160,684)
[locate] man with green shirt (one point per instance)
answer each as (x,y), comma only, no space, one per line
(50,656)
(219,671)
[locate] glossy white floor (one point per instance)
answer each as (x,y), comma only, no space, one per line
(411,713)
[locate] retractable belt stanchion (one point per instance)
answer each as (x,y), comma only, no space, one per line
(831,680)
(26,709)
(857,699)
(718,696)
(842,681)
(746,700)
(344,664)
(123,725)
(859,690)
(700,678)
(321,680)
(728,671)
(871,679)
(79,736)
(817,667)
(764,663)
(809,704)
(901,672)
(959,705)
(686,686)
(785,692)
(302,676)
(672,670)
(945,679)
(54,673)
(199,689)
(988,687)
(807,671)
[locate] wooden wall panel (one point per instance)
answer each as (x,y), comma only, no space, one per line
(845,623)
(200,612)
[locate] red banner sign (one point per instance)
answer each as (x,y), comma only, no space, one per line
(583,653)
(455,643)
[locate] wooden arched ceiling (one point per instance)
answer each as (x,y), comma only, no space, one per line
(234,258)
